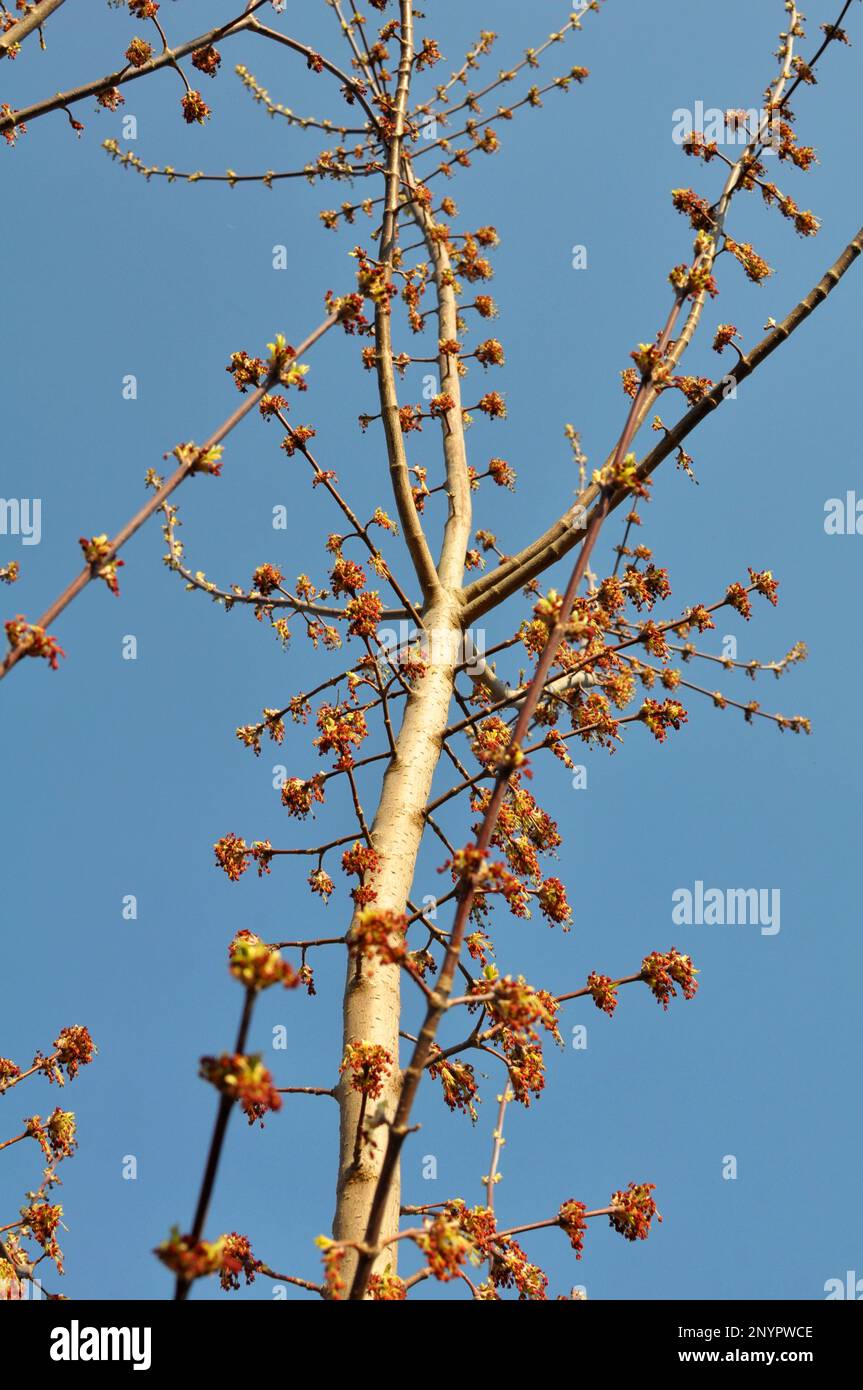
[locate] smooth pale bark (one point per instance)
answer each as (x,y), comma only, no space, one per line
(371,1003)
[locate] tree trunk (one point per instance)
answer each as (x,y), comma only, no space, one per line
(371,1001)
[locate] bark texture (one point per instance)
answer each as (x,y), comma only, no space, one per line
(372,1000)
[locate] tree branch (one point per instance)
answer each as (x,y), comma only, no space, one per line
(559,539)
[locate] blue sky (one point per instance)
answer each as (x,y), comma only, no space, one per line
(119,775)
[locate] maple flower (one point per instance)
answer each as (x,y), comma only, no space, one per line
(661,972)
(446,1247)
(501,473)
(697,209)
(9,1070)
(367,1065)
(725,334)
(237,1259)
(571,1218)
(603,992)
(111,98)
(387,1287)
(765,584)
(458,1081)
(380,935)
(40,1220)
(634,1211)
(73,1049)
(493,405)
(139,52)
(188,1258)
(341,728)
(144,9)
(737,597)
(246,371)
(207,60)
(333,1257)
(490,353)
(299,797)
(756,268)
(257,965)
(11,135)
(485,306)
(102,560)
(245,1079)
(320,882)
(364,614)
(33,640)
(659,718)
(266,579)
(56,1135)
(195,109)
(231,855)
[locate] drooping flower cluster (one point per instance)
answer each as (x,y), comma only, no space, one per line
(366,1066)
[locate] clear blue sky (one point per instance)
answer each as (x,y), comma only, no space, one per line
(118,776)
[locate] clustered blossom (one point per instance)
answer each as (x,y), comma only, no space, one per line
(100,556)
(571,1218)
(659,718)
(195,109)
(266,579)
(387,1288)
(361,860)
(245,1079)
(333,1257)
(73,1049)
(233,855)
(379,935)
(40,1220)
(56,1135)
(9,1072)
(364,614)
(237,1259)
(367,1066)
(662,971)
(603,991)
(341,730)
(458,1081)
(257,965)
(634,1210)
(321,884)
(299,797)
(229,1257)
(32,640)
(445,1246)
(207,60)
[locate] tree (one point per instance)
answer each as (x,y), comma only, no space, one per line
(416,690)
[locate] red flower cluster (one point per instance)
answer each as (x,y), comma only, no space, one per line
(33,640)
(257,965)
(367,1065)
(379,935)
(245,1079)
(634,1210)
(661,972)
(603,992)
(102,560)
(571,1218)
